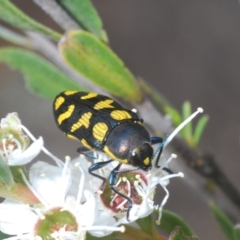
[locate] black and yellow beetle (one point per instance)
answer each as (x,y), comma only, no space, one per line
(101,123)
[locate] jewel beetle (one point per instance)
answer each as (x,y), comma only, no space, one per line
(101,123)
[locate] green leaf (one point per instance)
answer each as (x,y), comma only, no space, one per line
(3,235)
(5,173)
(15,38)
(17,175)
(223,221)
(178,234)
(187,130)
(41,76)
(84,13)
(236,232)
(202,122)
(14,16)
(95,61)
(175,116)
(161,102)
(146,225)
(170,220)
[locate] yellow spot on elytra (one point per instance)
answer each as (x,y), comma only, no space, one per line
(120,115)
(83,121)
(71,137)
(104,104)
(146,161)
(111,155)
(89,95)
(99,131)
(70,92)
(59,101)
(85,143)
(66,114)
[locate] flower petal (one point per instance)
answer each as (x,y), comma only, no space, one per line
(103,219)
(17,158)
(16,218)
(48,181)
(11,120)
(87,212)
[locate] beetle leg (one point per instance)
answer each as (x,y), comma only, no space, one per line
(159,152)
(97,166)
(83,149)
(155,140)
(158,158)
(112,179)
(168,170)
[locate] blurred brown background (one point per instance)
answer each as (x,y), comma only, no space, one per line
(189,50)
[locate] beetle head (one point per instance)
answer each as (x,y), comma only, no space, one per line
(141,156)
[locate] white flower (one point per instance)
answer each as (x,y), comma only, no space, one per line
(50,185)
(70,199)
(101,217)
(16,218)
(21,157)
(50,181)
(14,144)
(138,186)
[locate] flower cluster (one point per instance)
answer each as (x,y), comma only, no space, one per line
(62,200)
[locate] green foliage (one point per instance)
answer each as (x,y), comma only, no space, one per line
(187,130)
(14,16)
(171,224)
(147,225)
(191,136)
(84,13)
(237,232)
(41,76)
(178,234)
(87,53)
(3,235)
(97,62)
(170,220)
(15,38)
(201,124)
(17,175)
(175,115)
(6,177)
(230,231)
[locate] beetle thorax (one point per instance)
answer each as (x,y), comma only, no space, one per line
(130,139)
